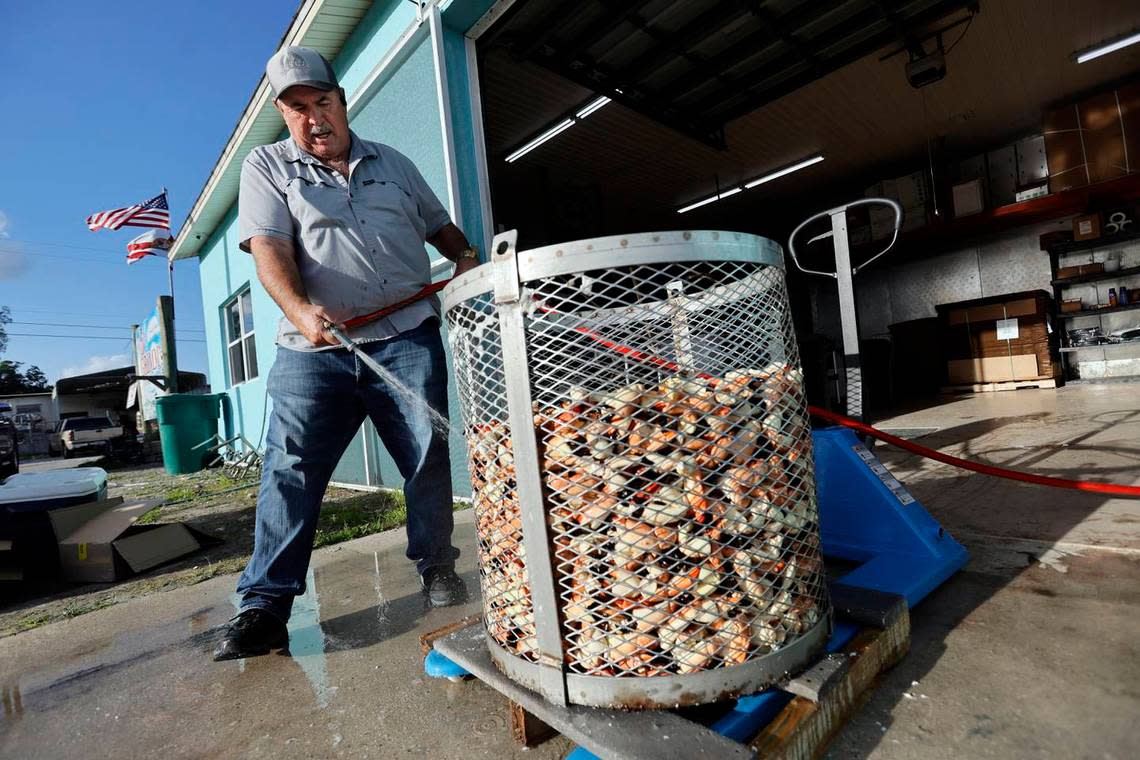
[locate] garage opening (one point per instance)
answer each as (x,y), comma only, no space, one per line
(606,118)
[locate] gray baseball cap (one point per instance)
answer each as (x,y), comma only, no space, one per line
(295,65)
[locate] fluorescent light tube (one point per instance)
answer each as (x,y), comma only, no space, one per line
(698,204)
(561,126)
(1110,47)
(709,200)
(593,106)
(786,170)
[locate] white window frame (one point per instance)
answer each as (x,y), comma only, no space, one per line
(247,332)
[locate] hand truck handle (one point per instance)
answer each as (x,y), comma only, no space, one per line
(837,210)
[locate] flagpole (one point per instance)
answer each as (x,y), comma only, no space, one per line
(169,265)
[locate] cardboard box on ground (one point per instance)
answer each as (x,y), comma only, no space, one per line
(99,541)
(975,352)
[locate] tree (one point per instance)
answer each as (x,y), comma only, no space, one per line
(35,380)
(12,380)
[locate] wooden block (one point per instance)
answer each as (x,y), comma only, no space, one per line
(427,638)
(804,728)
(529,730)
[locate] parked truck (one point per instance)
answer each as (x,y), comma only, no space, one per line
(9,443)
(95,435)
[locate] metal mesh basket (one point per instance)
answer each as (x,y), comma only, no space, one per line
(642,467)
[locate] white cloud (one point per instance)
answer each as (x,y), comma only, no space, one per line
(13,261)
(97,364)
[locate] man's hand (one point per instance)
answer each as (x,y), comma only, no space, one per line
(311,320)
(464,265)
(277,270)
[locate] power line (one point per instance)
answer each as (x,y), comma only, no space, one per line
(61,245)
(76,313)
(96,337)
(34,256)
(94,327)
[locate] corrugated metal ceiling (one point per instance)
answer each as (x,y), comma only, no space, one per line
(1011,63)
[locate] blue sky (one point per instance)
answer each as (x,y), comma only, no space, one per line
(105,103)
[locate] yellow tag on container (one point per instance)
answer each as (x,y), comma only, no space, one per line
(83,551)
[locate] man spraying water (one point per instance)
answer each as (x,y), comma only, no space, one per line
(337,227)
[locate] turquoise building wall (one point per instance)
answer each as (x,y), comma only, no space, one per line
(400,109)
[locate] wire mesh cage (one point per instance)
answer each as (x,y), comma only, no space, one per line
(642,469)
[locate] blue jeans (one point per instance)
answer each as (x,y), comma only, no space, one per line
(320,400)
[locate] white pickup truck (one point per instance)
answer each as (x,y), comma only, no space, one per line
(94,434)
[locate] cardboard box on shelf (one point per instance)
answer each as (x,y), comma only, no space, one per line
(1033,192)
(969,198)
(1001,165)
(1076,270)
(1086,227)
(1094,140)
(1071,305)
(1068,167)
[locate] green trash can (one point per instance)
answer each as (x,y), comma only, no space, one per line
(184,421)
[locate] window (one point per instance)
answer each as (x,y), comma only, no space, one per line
(239,339)
(88,423)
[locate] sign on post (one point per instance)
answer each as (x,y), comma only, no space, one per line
(155,357)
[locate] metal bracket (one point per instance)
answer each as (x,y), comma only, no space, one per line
(528,473)
(158,380)
(505,267)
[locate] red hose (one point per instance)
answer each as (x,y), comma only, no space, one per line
(364,319)
(1112,489)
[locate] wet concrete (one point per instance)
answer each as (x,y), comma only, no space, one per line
(136,680)
(1030,652)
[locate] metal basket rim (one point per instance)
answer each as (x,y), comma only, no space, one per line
(696,688)
(642,248)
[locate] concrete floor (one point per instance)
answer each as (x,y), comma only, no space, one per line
(1030,652)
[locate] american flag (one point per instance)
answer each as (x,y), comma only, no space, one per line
(152,213)
(148,244)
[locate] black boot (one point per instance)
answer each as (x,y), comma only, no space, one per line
(443,587)
(252,632)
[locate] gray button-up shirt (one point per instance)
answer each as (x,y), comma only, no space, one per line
(359,242)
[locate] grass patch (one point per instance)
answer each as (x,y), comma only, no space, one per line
(358,516)
(150,516)
(137,588)
(36,619)
(182,493)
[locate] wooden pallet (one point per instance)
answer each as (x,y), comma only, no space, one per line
(1012,385)
(804,726)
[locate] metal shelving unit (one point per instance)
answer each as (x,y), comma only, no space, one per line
(1085,279)
(1055,252)
(1099,312)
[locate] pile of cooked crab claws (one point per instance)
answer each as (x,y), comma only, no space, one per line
(682,517)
